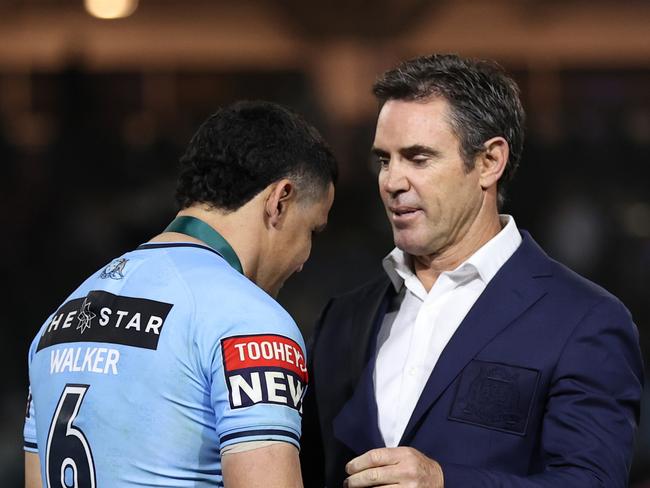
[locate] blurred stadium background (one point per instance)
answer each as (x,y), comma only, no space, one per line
(94,114)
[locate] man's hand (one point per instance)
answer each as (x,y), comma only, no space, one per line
(394,467)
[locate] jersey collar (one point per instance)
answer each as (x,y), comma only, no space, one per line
(193,227)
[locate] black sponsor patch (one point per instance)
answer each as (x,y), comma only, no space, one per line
(104,317)
(496,396)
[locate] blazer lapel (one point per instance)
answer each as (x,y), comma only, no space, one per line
(512,290)
(356,423)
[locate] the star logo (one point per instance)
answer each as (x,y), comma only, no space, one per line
(85,316)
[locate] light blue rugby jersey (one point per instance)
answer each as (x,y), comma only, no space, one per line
(130,384)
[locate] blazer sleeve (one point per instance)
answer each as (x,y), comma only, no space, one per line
(312,455)
(592,409)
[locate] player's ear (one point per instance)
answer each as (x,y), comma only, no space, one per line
(492,161)
(283,192)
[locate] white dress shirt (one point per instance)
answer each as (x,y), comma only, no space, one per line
(418,325)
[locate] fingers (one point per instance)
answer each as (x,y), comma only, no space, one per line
(392,467)
(371,459)
(377,476)
(345,485)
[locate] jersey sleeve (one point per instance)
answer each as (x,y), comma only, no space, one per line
(30,443)
(29,431)
(258,381)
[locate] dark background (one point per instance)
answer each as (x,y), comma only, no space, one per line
(94,115)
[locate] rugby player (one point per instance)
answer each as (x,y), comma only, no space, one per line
(173,365)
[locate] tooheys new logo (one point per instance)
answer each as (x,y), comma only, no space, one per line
(104,317)
(264,369)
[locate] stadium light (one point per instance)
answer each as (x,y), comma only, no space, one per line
(110,9)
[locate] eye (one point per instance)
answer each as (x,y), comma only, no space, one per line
(380,160)
(420,159)
(383,161)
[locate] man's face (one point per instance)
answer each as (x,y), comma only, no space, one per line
(430,198)
(293,243)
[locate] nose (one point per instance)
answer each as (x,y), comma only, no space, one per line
(392,178)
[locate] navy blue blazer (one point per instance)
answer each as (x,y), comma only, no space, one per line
(539,386)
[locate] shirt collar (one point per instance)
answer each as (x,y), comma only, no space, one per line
(485,262)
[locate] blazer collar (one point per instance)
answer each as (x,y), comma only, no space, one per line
(367,317)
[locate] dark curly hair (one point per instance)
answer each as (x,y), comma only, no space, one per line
(243,148)
(484,102)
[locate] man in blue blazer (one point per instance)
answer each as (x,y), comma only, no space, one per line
(476,360)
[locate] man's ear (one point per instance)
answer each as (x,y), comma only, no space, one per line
(282,193)
(492,161)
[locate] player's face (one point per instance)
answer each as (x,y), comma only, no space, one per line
(430,198)
(304,219)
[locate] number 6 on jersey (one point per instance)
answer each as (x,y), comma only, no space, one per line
(69,460)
